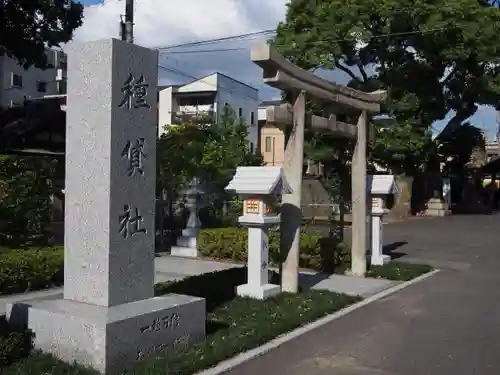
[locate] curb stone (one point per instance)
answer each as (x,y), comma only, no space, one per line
(241,358)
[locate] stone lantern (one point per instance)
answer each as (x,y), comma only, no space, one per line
(260,188)
(381,187)
(186,244)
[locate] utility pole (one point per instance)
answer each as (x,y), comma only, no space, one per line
(127,26)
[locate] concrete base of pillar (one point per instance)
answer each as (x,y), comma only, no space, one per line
(436,207)
(258,291)
(112,339)
(186,252)
(380,260)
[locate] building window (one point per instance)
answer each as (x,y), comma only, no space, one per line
(268,144)
(252,118)
(240,112)
(41,86)
(251,146)
(16,80)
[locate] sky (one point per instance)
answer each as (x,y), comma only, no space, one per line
(161,23)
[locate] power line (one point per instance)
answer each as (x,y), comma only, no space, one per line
(182,73)
(207,51)
(217,40)
(258,34)
(198,67)
(362,39)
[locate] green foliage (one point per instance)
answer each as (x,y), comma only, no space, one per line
(431,56)
(215,216)
(457,148)
(28,27)
(225,149)
(234,325)
(179,153)
(30,269)
(25,207)
(211,153)
(316,251)
(15,343)
(402,148)
(398,271)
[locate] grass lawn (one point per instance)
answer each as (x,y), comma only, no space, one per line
(233,326)
(398,271)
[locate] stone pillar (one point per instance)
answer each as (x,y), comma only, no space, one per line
(108,318)
(359,192)
(446,188)
(291,210)
(257,285)
(377,256)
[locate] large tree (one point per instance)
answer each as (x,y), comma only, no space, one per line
(432,56)
(29,26)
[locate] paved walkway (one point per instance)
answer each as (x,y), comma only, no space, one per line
(448,324)
(172,268)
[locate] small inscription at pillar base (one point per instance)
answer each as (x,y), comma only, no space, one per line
(113,339)
(258,291)
(380,260)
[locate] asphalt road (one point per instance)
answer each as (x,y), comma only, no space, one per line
(448,324)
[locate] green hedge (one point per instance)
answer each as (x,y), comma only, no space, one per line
(33,269)
(30,269)
(15,343)
(316,251)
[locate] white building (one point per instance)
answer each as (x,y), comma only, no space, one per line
(16,83)
(207,97)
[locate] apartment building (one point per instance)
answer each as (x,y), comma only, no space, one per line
(204,100)
(17,83)
(272,138)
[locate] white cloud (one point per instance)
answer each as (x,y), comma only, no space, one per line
(166,22)
(162,22)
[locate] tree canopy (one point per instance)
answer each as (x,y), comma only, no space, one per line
(432,56)
(29,26)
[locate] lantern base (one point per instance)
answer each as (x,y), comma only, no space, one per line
(258,291)
(379,260)
(186,245)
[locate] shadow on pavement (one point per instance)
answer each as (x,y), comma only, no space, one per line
(391,249)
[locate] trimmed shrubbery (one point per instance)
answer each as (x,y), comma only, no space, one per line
(33,269)
(30,269)
(316,251)
(15,343)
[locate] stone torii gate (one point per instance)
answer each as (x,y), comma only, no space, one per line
(280,73)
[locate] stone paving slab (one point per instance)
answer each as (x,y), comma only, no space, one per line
(354,286)
(175,268)
(167,269)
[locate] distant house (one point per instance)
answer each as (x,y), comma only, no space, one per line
(272,138)
(204,100)
(18,84)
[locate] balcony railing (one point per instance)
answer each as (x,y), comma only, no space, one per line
(199,117)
